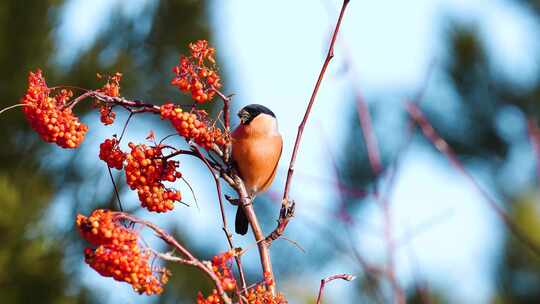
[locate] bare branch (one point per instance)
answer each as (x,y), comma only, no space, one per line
(188,258)
(225,228)
(346,277)
(227,117)
(133,106)
(287,207)
(246,204)
(443,147)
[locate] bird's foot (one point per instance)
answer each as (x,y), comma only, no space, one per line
(234,201)
(287,210)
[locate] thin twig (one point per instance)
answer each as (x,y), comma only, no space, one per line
(171,258)
(13,106)
(295,243)
(226,108)
(133,106)
(370,139)
(115,190)
(192,192)
(346,277)
(179,152)
(125,127)
(364,115)
(287,206)
(443,147)
(349,221)
(227,118)
(188,258)
(167,137)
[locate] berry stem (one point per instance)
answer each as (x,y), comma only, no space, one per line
(115,190)
(125,127)
(12,107)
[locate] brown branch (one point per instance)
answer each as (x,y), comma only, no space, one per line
(370,139)
(443,147)
(399,295)
(225,228)
(226,108)
(171,258)
(227,118)
(133,106)
(287,207)
(375,162)
(346,277)
(188,258)
(347,220)
(246,204)
(178,152)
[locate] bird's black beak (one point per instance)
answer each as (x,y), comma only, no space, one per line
(244,116)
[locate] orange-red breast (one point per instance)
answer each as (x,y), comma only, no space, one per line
(256,149)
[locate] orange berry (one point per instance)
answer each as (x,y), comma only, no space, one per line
(49,116)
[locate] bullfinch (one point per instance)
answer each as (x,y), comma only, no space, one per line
(256,149)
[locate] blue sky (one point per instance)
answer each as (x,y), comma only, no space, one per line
(272,52)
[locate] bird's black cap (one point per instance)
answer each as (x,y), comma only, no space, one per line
(249,112)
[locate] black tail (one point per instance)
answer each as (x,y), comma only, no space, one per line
(241,222)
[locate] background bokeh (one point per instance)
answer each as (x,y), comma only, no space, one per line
(475,63)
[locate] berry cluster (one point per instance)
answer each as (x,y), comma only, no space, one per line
(111,88)
(261,295)
(110,153)
(49,116)
(256,295)
(101,229)
(221,267)
(118,254)
(146,170)
(214,298)
(106,115)
(197,74)
(193,126)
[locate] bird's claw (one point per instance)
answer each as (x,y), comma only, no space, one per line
(234,201)
(288,209)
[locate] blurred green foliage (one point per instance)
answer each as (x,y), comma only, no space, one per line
(32,265)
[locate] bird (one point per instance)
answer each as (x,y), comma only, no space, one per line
(256,150)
